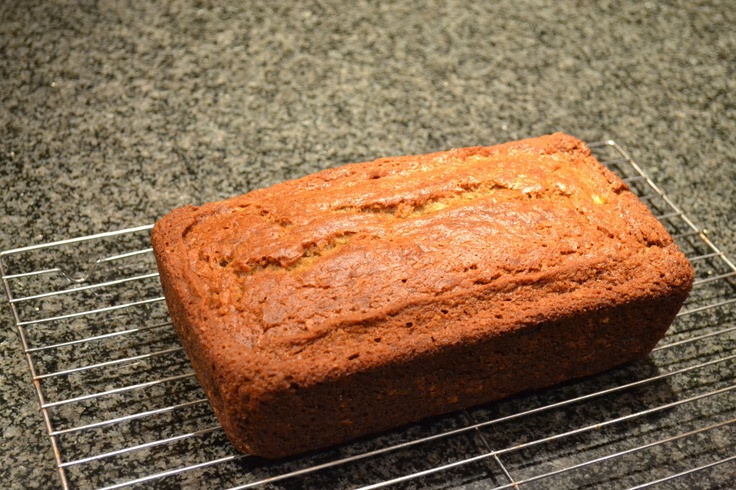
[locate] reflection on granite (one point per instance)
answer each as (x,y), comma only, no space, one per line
(114,113)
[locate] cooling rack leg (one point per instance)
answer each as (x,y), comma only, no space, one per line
(36,381)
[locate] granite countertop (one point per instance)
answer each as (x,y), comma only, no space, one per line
(113,113)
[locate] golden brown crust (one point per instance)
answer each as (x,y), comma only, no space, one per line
(343,282)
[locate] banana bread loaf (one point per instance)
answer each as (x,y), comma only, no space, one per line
(372,295)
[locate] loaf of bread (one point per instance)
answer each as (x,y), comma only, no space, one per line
(369,296)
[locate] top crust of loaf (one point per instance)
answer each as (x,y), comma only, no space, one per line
(375,262)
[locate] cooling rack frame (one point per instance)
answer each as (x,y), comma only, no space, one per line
(61,277)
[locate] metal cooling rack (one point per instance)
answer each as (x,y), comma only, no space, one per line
(123,409)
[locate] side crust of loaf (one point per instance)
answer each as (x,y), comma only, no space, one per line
(373,295)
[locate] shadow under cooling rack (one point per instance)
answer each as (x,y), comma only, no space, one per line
(124,410)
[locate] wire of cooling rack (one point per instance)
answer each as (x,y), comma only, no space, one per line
(122,407)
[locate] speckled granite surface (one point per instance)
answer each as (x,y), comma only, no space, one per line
(112,113)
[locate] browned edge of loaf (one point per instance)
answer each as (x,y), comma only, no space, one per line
(301,418)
